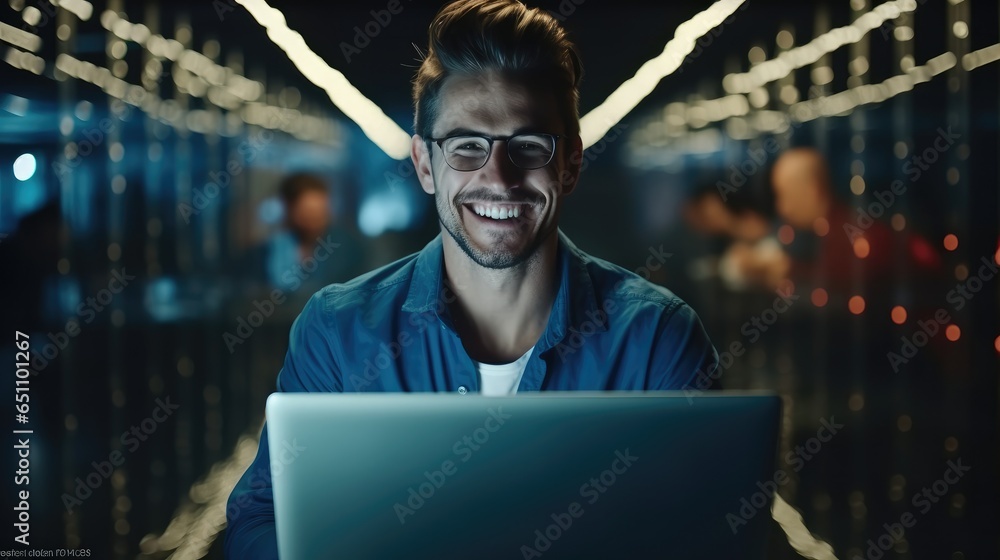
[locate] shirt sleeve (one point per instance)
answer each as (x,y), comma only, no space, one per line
(309,366)
(683,358)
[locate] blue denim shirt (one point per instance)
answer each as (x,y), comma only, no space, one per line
(389,330)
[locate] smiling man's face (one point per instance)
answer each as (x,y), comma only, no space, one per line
(499,214)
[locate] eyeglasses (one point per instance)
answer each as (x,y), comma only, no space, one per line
(471,152)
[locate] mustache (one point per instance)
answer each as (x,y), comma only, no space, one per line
(514,196)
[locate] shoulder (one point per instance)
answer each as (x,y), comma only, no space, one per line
(380,286)
(627,288)
(659,325)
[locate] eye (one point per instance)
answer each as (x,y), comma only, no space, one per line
(532,144)
(467,147)
(526,146)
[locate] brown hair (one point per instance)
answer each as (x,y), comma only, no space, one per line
(295,185)
(470,37)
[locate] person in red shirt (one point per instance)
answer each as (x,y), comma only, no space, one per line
(850,251)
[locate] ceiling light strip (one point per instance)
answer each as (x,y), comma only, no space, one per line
(382,130)
(595,124)
(783,65)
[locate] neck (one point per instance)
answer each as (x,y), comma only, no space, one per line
(501,313)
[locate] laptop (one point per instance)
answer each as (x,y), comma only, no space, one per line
(545,475)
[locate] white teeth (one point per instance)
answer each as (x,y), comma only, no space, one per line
(496,212)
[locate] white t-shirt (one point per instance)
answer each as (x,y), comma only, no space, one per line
(501,379)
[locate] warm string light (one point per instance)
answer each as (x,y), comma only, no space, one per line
(19,38)
(792,59)
(214,75)
(240,92)
(842,103)
(23,60)
(170,112)
(595,124)
(977,58)
(697,114)
(382,130)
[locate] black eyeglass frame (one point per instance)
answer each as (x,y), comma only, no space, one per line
(490,140)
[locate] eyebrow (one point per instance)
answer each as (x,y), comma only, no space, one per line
(461,131)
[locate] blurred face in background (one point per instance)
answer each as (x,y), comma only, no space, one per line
(501,213)
(800,188)
(309,215)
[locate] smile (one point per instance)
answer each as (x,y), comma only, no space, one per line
(497,211)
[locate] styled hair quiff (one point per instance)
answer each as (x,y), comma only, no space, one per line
(470,37)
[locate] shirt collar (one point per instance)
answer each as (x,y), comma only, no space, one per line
(575,302)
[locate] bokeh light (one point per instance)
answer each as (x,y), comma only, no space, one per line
(856,305)
(24,167)
(951,242)
(861,247)
(953,332)
(898,222)
(899,314)
(819,297)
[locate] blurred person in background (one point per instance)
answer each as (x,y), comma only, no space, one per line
(830,240)
(741,226)
(315,247)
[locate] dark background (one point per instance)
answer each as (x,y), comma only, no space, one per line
(162,336)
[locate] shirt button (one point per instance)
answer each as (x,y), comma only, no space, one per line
(462,390)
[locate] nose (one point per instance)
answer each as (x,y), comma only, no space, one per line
(499,172)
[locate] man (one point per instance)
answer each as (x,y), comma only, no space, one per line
(846,241)
(501,301)
(313,248)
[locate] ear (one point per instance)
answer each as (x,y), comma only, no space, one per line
(422,163)
(569,177)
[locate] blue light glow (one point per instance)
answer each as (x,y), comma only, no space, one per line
(24,167)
